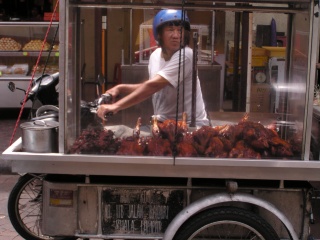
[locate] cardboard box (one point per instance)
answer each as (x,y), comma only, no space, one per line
(47,16)
(260,97)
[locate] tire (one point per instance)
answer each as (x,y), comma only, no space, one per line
(226,223)
(24,208)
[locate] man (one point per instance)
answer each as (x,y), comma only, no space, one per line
(169,28)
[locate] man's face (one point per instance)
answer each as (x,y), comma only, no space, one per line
(171,37)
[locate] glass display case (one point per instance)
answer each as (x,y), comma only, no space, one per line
(262,131)
(254,132)
(20,46)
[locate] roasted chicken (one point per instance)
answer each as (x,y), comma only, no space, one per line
(202,137)
(247,139)
(280,147)
(158,146)
(242,150)
(95,141)
(216,148)
(154,127)
(186,147)
(172,130)
(134,145)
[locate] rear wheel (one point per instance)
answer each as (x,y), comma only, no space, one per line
(226,223)
(25,206)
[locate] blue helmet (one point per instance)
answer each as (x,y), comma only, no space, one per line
(169,15)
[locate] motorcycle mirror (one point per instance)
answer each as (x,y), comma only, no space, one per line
(11,86)
(99,83)
(101,80)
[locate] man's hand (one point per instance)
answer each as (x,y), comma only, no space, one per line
(105,110)
(114,92)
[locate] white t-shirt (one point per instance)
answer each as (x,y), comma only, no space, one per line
(165,100)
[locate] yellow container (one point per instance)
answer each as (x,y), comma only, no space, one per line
(259,56)
(257,51)
(259,61)
(275,51)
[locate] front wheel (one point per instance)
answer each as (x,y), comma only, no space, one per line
(226,223)
(25,205)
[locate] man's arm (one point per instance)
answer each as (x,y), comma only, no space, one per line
(140,93)
(122,89)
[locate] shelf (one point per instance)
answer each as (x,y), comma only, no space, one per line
(18,78)
(23,24)
(28,53)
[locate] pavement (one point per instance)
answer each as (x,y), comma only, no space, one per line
(6,230)
(8,118)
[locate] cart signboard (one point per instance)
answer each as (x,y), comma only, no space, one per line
(140,210)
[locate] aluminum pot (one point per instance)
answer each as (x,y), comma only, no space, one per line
(47,113)
(40,136)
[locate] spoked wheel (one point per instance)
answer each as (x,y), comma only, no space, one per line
(226,223)
(25,207)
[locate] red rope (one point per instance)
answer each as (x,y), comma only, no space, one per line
(33,73)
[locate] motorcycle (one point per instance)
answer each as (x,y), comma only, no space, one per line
(25,199)
(43,95)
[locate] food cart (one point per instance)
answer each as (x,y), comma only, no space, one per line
(249,175)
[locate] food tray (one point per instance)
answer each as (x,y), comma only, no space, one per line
(9,44)
(17,70)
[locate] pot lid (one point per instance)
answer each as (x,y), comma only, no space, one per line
(39,125)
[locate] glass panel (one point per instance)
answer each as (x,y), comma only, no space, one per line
(295,100)
(255,112)
(72,71)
